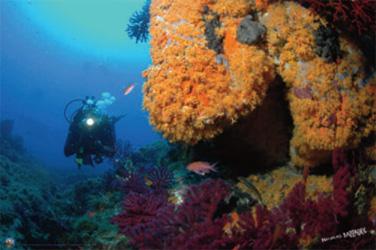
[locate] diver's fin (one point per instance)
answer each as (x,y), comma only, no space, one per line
(79,162)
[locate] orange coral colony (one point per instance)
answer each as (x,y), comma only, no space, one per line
(203,79)
(193,92)
(329,104)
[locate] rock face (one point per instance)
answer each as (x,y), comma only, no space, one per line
(202,79)
(213,65)
(327,44)
(212,23)
(330,106)
(249,31)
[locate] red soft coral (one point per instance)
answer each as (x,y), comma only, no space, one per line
(145,219)
(356,14)
(151,222)
(196,220)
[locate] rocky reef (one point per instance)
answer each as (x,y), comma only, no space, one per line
(26,194)
(40,210)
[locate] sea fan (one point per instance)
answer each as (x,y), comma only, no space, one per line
(195,217)
(201,202)
(357,15)
(145,219)
(161,178)
(151,222)
(138,27)
(133,182)
(341,180)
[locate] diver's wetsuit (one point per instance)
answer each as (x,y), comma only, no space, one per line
(86,141)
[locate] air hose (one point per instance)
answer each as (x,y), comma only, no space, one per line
(66,108)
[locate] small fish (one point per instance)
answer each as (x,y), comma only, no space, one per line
(128,89)
(201,167)
(9,242)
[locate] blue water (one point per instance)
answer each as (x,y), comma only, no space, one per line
(52,53)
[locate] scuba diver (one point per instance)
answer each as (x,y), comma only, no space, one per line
(91,135)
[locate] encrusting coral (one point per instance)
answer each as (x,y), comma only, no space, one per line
(193,91)
(329,103)
(205,75)
(275,185)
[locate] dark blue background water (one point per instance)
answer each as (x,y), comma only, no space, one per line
(41,72)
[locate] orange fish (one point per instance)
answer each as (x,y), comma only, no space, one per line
(128,89)
(201,167)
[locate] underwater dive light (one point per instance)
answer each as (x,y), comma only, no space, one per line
(90,122)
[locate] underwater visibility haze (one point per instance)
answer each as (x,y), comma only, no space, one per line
(174,124)
(56,51)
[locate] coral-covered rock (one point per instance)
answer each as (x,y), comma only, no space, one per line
(274,186)
(202,79)
(212,67)
(330,105)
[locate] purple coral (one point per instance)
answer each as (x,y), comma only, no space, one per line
(151,222)
(195,217)
(145,220)
(132,182)
(161,178)
(201,202)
